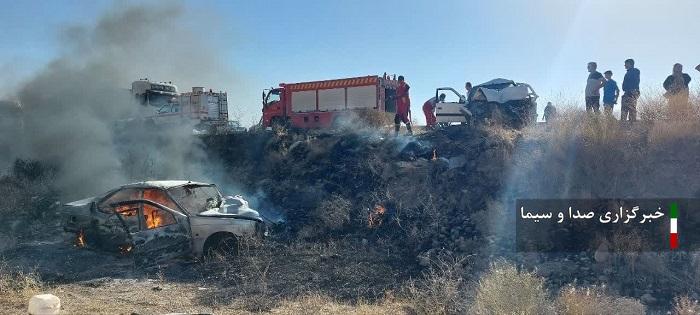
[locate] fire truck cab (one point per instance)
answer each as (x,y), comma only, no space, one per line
(163,96)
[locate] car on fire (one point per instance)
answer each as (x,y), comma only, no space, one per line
(157,220)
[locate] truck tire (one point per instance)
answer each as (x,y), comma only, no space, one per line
(278,123)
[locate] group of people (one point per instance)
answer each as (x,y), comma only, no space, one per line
(611,92)
(676,86)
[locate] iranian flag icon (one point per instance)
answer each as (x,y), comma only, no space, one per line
(673,214)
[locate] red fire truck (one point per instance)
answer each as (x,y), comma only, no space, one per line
(322,104)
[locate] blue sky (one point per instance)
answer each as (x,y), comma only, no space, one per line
(546,43)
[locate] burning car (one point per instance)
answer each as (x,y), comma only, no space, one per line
(163,219)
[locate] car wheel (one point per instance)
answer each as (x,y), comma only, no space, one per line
(224,246)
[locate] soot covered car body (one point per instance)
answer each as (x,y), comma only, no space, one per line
(163,219)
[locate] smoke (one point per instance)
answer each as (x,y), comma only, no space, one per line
(70,107)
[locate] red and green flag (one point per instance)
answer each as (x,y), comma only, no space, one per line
(673,214)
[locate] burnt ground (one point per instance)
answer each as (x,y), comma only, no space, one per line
(262,278)
(445,193)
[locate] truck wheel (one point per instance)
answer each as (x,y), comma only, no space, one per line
(278,123)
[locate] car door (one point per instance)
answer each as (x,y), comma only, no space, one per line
(159,233)
(452,109)
(113,222)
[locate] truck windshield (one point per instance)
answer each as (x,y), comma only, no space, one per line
(196,198)
(273,96)
(160,100)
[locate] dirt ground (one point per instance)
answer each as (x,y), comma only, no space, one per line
(279,278)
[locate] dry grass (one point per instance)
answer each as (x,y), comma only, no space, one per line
(684,305)
(505,290)
(315,303)
(16,287)
(331,215)
(441,290)
(594,301)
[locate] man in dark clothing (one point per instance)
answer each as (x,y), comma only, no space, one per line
(403,107)
(677,92)
(630,85)
(593,84)
(550,112)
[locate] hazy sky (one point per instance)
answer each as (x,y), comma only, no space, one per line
(546,43)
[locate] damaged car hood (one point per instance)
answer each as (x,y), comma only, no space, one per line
(234,213)
(81,202)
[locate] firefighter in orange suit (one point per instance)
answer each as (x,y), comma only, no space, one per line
(403,107)
(429,110)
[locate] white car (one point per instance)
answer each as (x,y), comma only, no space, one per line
(156,220)
(512,103)
(453,109)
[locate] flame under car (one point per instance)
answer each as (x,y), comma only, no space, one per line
(157,220)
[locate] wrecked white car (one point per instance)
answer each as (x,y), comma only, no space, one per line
(163,219)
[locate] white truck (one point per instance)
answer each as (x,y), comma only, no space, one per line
(208,110)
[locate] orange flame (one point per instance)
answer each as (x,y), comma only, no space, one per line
(153,216)
(80,239)
(376,216)
(154,220)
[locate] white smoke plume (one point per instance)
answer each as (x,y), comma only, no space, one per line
(69,108)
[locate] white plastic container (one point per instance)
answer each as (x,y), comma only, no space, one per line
(44,304)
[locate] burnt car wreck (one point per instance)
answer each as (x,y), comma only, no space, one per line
(156,220)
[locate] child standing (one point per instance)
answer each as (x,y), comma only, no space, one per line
(610,93)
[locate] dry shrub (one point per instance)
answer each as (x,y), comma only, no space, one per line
(505,290)
(375,118)
(334,212)
(315,303)
(651,106)
(27,191)
(17,286)
(667,132)
(684,305)
(331,215)
(594,300)
(442,288)
(247,280)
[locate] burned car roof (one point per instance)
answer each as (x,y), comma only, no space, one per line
(164,184)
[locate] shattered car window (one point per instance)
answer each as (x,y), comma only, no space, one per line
(196,199)
(160,197)
(130,214)
(122,195)
(155,217)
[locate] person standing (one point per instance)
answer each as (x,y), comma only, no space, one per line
(677,92)
(550,113)
(468,87)
(429,110)
(593,84)
(403,107)
(630,86)
(610,94)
